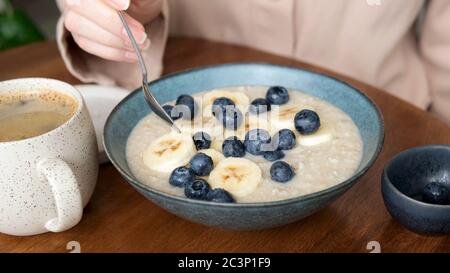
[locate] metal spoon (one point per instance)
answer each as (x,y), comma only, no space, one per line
(149,97)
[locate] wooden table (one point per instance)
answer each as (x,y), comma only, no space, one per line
(119,219)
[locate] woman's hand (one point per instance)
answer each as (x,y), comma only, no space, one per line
(97,29)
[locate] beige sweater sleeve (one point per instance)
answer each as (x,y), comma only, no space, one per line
(435,47)
(92,69)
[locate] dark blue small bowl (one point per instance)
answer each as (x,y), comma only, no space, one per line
(245,216)
(403,181)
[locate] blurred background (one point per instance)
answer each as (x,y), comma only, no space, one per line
(26,21)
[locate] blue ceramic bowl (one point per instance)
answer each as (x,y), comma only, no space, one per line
(403,181)
(246,216)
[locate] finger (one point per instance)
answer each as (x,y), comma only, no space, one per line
(105,16)
(118,4)
(82,26)
(103,51)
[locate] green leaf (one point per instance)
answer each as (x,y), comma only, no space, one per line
(17,29)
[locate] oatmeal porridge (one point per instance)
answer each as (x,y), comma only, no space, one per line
(246,144)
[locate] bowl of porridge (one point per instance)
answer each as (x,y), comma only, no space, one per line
(260,145)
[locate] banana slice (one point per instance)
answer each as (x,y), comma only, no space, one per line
(169,152)
(325,134)
(240,99)
(215,155)
(216,144)
(239,176)
(282,117)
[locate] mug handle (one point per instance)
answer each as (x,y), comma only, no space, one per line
(69,206)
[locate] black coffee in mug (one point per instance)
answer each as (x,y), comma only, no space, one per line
(28,114)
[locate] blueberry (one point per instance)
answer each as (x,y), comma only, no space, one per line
(307,122)
(186,107)
(198,189)
(273,155)
(284,139)
(259,106)
(220,196)
(282,172)
(436,193)
(180,176)
(231,118)
(233,147)
(169,110)
(202,140)
(221,104)
(277,95)
(257,141)
(201,164)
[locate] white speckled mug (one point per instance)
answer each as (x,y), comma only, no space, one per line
(46,181)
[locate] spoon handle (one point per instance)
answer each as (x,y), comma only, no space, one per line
(149,97)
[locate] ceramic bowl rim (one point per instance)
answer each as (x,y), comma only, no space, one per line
(400,193)
(343,184)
